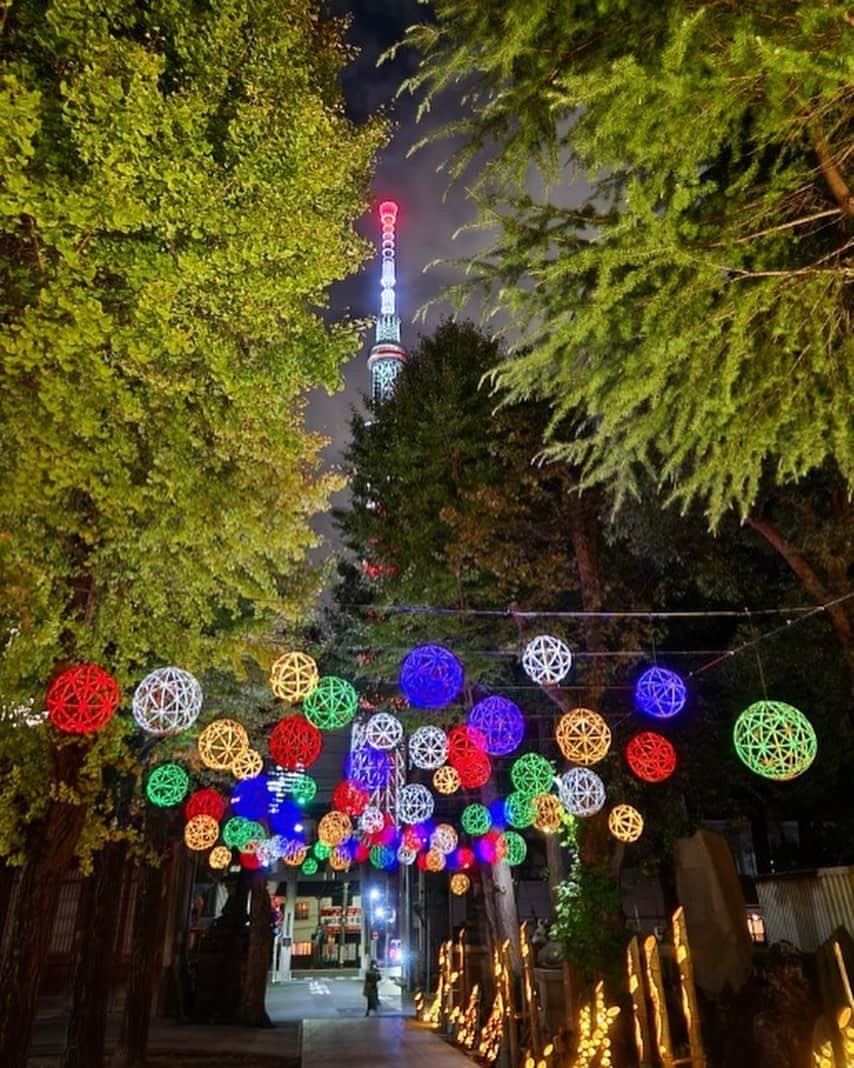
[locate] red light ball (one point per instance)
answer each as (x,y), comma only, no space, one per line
(249,860)
(347,797)
(651,756)
(463,743)
(206,802)
(474,770)
(83,699)
(465,858)
(362,854)
(295,743)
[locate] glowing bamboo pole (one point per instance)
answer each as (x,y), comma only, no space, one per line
(690,1009)
(659,1005)
(643,1041)
(530,1007)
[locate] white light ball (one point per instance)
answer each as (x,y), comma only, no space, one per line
(406,856)
(581,791)
(444,838)
(167,701)
(372,820)
(428,748)
(546,660)
(383,731)
(414,803)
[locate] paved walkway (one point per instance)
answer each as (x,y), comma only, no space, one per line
(378,1042)
(328,996)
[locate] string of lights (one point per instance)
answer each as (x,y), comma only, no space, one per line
(511,613)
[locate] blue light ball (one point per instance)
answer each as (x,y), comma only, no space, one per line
(250,798)
(368,768)
(285,817)
(431,676)
(660,693)
(501,723)
(498,813)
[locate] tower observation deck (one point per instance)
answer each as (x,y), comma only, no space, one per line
(387,355)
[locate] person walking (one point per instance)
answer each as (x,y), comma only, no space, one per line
(370,990)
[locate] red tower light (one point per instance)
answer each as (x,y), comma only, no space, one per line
(388,212)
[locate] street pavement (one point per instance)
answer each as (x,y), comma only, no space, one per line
(328,996)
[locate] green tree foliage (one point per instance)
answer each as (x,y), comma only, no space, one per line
(689,315)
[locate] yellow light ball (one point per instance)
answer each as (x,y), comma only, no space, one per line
(220,858)
(334,827)
(625,823)
(339,860)
(201,832)
(460,884)
(294,857)
(583,736)
(434,860)
(548,812)
(221,743)
(247,764)
(446,780)
(294,676)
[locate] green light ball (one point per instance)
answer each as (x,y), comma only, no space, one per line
(517,848)
(167,785)
(239,832)
(309,866)
(775,740)
(321,850)
(519,810)
(332,704)
(476,819)
(532,774)
(303,790)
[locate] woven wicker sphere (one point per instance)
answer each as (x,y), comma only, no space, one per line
(221,743)
(435,860)
(238,831)
(383,731)
(474,771)
(219,858)
(517,848)
(532,774)
(775,740)
(625,823)
(293,677)
(463,742)
(206,802)
(460,884)
(500,723)
(519,810)
(651,756)
(446,780)
(309,866)
(82,699)
(321,850)
(428,747)
(406,856)
(476,819)
(414,803)
(294,853)
(201,832)
(548,813)
(383,857)
(581,791)
(247,764)
(546,660)
(444,838)
(372,821)
(340,859)
(660,693)
(583,736)
(332,703)
(167,785)
(295,743)
(368,768)
(334,827)
(431,676)
(348,798)
(168,701)
(303,789)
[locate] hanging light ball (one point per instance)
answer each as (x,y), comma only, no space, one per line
(167,785)
(206,802)
(431,676)
(201,832)
(775,740)
(321,850)
(368,768)
(517,848)
(382,857)
(334,827)
(303,788)
(236,832)
(546,660)
(434,860)
(295,853)
(581,792)
(295,743)
(249,859)
(500,722)
(383,731)
(446,780)
(532,774)
(247,764)
(250,798)
(651,756)
(660,693)
(348,798)
(625,823)
(372,821)
(309,866)
(167,701)
(519,810)
(444,838)
(340,859)
(219,858)
(548,813)
(583,736)
(414,803)
(476,819)
(460,884)
(331,704)
(463,741)
(406,856)
(221,743)
(82,699)
(428,747)
(474,771)
(465,858)
(293,677)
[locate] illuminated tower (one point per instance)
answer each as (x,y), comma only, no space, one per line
(387,355)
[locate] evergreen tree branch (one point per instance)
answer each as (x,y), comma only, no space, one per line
(833,177)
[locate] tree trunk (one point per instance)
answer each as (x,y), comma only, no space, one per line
(253,1011)
(52,842)
(98,920)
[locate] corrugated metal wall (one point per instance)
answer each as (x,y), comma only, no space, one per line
(806,907)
